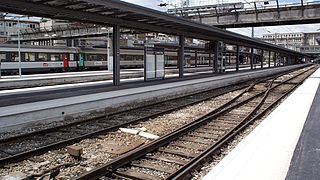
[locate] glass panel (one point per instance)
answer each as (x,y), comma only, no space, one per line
(30,56)
(3,57)
(56,57)
(102,57)
(43,57)
(95,57)
(91,57)
(13,57)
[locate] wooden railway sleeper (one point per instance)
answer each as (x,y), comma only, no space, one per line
(178,153)
(168,159)
(198,147)
(151,166)
(135,176)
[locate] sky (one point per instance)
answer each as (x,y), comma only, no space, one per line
(259,31)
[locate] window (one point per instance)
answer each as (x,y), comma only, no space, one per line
(91,57)
(131,58)
(102,57)
(13,57)
(95,57)
(30,56)
(43,57)
(2,57)
(56,57)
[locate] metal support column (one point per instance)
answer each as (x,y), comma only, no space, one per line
(216,57)
(210,58)
(262,58)
(269,62)
(251,59)
(275,59)
(116,55)
(237,58)
(19,49)
(279,60)
(196,59)
(181,56)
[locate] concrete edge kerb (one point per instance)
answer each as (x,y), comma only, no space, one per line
(5,111)
(11,83)
(87,105)
(10,110)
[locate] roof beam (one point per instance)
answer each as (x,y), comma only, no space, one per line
(186,27)
(44,1)
(69,4)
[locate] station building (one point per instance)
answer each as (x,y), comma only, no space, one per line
(304,42)
(10,26)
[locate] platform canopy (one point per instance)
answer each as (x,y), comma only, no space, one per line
(127,15)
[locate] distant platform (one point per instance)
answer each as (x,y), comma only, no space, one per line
(22,107)
(11,82)
(50,79)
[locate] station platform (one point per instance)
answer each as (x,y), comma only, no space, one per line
(18,108)
(273,149)
(51,79)
(35,80)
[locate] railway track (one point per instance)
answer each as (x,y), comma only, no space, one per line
(177,154)
(22,146)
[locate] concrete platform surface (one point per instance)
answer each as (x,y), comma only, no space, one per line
(50,79)
(265,154)
(24,95)
(305,163)
(98,103)
(11,82)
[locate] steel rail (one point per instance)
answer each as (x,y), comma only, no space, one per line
(191,165)
(140,152)
(123,160)
(186,170)
(6,140)
(23,155)
(11,138)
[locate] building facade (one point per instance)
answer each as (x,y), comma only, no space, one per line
(209,2)
(289,40)
(191,3)
(303,42)
(11,26)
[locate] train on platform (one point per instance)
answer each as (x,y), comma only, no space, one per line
(45,59)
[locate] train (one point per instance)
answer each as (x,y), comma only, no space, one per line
(45,59)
